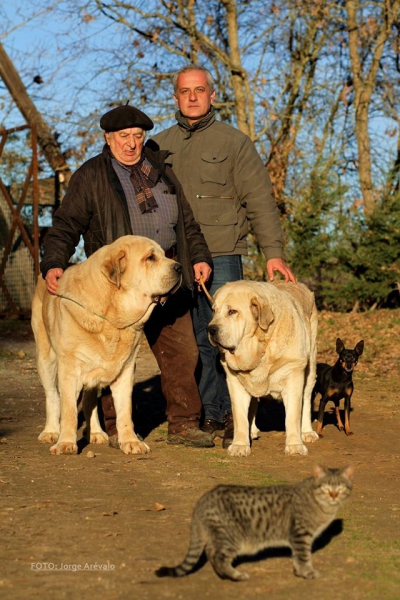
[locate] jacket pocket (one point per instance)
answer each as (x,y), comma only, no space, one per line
(219,223)
(214,166)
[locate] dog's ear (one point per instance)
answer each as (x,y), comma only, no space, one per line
(262,313)
(114,266)
(339,346)
(359,349)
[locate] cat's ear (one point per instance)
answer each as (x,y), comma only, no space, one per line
(348,472)
(319,471)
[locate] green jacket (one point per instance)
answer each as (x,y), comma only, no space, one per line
(226,184)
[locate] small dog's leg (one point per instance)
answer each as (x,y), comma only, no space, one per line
(321,410)
(347,429)
(338,419)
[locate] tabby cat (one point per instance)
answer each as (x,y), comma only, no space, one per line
(233,520)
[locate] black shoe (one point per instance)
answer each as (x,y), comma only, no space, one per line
(214,428)
(228,433)
(191,437)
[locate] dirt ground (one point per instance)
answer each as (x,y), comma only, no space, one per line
(98,526)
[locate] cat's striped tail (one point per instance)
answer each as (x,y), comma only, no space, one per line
(189,562)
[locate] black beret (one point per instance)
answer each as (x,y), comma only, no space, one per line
(123,117)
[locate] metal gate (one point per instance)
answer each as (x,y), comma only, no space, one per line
(19,249)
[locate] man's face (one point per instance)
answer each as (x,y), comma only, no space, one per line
(126,144)
(194,96)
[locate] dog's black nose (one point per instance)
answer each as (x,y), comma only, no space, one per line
(213,330)
(178,268)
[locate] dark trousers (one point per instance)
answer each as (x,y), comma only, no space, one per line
(169,332)
(212,383)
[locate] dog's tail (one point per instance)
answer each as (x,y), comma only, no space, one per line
(195,551)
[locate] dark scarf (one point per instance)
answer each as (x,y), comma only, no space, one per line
(143,178)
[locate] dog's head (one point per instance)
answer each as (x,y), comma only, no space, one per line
(349,358)
(140,276)
(241,319)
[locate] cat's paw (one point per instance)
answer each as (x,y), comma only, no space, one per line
(239,450)
(239,576)
(309,436)
(307,572)
(296,449)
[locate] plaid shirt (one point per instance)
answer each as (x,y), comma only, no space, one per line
(160,223)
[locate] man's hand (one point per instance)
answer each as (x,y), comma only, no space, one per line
(202,270)
(52,277)
(278,264)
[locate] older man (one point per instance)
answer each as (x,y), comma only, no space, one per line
(130,190)
(228,188)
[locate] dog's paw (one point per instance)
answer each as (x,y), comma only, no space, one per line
(98,437)
(296,449)
(48,437)
(64,448)
(239,450)
(309,436)
(134,447)
(254,433)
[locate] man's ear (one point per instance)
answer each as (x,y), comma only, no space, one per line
(262,313)
(114,267)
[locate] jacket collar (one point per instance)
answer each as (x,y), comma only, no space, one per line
(199,125)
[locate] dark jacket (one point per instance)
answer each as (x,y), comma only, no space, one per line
(95,207)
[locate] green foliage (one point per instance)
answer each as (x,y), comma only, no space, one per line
(371,257)
(349,262)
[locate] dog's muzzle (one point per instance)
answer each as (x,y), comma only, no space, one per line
(213,331)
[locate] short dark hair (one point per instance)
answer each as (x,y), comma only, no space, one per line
(187,69)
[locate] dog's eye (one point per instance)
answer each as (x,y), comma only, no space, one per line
(231,311)
(151,257)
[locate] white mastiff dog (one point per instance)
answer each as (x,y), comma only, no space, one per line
(88,336)
(266,333)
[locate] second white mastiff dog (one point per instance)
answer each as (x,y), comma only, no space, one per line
(266,333)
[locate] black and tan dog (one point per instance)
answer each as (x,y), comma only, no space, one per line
(335,383)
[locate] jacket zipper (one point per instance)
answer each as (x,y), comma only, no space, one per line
(205,196)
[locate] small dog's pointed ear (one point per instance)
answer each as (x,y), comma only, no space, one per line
(339,346)
(262,313)
(114,266)
(359,349)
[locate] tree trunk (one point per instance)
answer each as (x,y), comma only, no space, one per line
(364,83)
(238,74)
